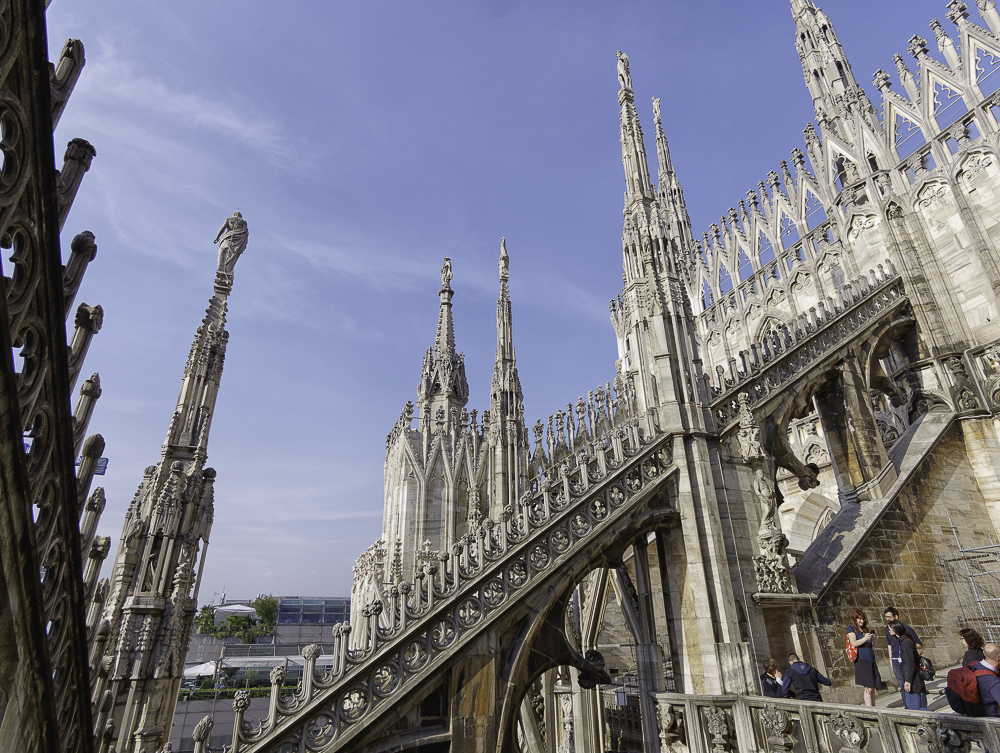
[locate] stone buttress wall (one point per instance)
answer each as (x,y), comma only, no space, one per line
(908,560)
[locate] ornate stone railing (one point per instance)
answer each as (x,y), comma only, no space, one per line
(598,415)
(768,366)
(749,724)
(457,595)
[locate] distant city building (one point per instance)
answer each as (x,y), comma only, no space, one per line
(312,611)
(227,664)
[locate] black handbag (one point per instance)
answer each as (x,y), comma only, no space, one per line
(925,669)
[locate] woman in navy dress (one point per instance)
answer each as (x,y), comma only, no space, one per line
(866,672)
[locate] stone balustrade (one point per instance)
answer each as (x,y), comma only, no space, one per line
(770,365)
(750,724)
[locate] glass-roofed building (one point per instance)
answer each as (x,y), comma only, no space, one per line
(313,611)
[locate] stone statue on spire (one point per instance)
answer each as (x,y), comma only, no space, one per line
(504,260)
(446,273)
(624,77)
(232,239)
(656,108)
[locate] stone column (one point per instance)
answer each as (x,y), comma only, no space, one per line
(476,683)
(860,459)
(648,654)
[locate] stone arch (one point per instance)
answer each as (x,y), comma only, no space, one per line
(537,646)
(823,521)
(972,159)
(861,222)
(770,324)
(926,192)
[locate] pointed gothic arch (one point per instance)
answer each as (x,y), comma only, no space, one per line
(904,130)
(744,268)
(946,102)
(814,211)
(976,162)
(707,297)
(725,281)
(769,325)
(788,231)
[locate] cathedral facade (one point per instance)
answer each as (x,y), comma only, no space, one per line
(802,421)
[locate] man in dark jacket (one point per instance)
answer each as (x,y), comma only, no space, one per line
(892,618)
(989,685)
(913,689)
(804,678)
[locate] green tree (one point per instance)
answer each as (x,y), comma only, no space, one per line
(267,611)
(205,620)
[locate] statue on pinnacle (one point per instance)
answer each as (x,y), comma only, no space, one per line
(232,239)
(446,273)
(504,260)
(624,76)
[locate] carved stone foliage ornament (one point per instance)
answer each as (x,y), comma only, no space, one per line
(860,223)
(671,729)
(718,727)
(777,725)
(976,164)
(940,738)
(850,730)
(203,729)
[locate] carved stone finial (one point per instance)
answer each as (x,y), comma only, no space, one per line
(718,728)
(278,675)
(203,729)
(957,11)
(917,46)
(241,701)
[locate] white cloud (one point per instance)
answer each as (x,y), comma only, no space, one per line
(111,80)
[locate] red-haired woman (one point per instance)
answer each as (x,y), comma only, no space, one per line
(865,669)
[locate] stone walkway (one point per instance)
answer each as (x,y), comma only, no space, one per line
(936,700)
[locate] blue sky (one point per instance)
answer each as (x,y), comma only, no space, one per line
(363,142)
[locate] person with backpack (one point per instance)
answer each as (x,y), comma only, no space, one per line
(866,672)
(974,690)
(804,678)
(913,689)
